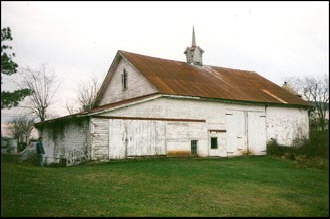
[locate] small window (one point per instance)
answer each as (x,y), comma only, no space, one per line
(214,143)
(124,80)
(193,147)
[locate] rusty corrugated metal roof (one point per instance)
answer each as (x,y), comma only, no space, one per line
(179,78)
(290,89)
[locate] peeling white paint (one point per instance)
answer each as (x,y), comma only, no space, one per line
(286,124)
(136,138)
(241,128)
(73,147)
(137,85)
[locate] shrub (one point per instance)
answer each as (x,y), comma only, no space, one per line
(55,165)
(21,146)
(273,148)
(301,158)
(290,156)
(312,152)
(316,146)
(315,162)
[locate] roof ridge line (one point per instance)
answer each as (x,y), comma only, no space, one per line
(152,56)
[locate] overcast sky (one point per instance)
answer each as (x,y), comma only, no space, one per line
(80,39)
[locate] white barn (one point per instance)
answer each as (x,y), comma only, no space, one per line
(150,106)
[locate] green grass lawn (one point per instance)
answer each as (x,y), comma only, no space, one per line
(241,186)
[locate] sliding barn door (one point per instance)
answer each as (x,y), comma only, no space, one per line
(236,133)
(257,133)
(129,138)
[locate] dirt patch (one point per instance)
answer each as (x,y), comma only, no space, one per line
(178,153)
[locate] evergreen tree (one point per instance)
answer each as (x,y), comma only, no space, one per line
(9,67)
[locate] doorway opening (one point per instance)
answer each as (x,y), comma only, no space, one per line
(193,147)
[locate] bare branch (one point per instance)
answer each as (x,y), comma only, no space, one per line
(70,108)
(316,91)
(87,93)
(43,85)
(21,128)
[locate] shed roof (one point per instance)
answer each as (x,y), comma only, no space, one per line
(179,78)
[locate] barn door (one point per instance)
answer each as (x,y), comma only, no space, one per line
(145,138)
(117,139)
(193,147)
(236,133)
(129,138)
(257,133)
(246,133)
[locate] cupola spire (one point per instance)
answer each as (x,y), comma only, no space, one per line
(193,44)
(194,53)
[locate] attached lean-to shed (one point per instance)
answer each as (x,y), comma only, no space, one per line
(150,106)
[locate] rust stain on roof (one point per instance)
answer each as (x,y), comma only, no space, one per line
(179,78)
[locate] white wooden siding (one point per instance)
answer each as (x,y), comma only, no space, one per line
(256,133)
(100,144)
(285,124)
(241,133)
(180,134)
(242,127)
(236,132)
(137,85)
(221,151)
(74,146)
(136,138)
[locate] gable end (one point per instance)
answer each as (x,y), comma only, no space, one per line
(135,84)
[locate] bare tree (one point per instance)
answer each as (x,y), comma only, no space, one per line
(20,128)
(87,93)
(43,85)
(316,91)
(70,108)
